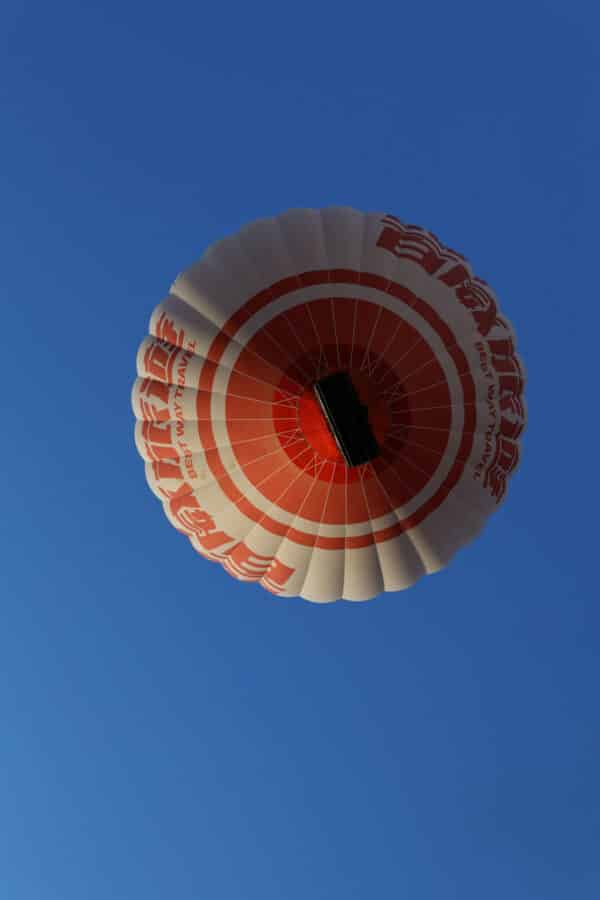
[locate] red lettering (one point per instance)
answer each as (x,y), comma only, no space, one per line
(510,376)
(158,440)
(389,239)
(157,433)
(243,563)
(456,275)
(158,361)
(214,539)
(194,520)
(513,416)
(480,304)
(154,390)
(505,461)
(279,574)
(503,347)
(412,243)
(167,470)
(165,329)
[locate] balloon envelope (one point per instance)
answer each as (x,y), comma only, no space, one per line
(330,403)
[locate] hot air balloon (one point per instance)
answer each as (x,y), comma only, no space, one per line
(329,403)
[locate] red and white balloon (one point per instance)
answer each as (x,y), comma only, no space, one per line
(240,449)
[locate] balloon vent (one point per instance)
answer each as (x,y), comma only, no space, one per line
(347,418)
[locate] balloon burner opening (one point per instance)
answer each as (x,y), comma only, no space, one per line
(347,418)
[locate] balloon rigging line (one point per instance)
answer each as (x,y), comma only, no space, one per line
(388,345)
(407,532)
(318,533)
(229,445)
(355,304)
(370,516)
(322,354)
(429,387)
(298,514)
(265,331)
(374,328)
(239,467)
(335,334)
(275,504)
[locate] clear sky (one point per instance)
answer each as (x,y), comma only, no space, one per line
(166,732)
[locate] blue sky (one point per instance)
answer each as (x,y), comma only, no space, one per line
(166,732)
